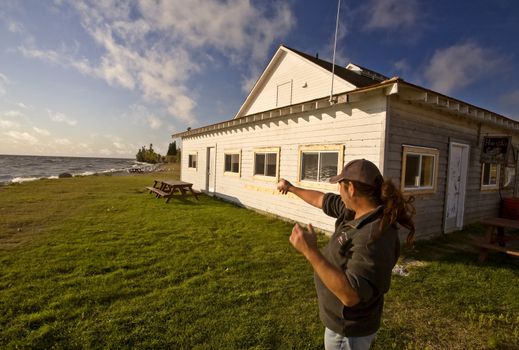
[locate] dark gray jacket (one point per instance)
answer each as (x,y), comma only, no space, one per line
(367,262)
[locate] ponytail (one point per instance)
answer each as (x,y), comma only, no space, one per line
(397,209)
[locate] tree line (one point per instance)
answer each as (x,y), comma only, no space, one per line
(148,155)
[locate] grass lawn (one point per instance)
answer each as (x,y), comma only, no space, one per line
(97,262)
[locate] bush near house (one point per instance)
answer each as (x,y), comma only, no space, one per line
(97,262)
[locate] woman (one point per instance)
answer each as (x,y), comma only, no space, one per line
(353,271)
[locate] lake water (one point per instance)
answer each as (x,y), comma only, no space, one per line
(27,168)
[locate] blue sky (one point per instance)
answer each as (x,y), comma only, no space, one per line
(103,78)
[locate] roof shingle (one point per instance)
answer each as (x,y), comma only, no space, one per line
(350,76)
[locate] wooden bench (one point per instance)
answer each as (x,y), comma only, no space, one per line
(157,191)
(495,238)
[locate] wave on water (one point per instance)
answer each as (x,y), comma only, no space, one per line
(26,179)
(17,169)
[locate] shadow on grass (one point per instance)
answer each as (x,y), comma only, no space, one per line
(456,248)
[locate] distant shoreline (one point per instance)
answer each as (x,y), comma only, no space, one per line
(156,168)
(39,155)
(16,169)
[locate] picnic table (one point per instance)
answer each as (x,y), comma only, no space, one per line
(495,238)
(167,188)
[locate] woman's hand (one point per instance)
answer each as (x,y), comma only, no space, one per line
(303,241)
(284,186)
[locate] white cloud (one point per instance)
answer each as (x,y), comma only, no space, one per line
(48,55)
(402,68)
(15,27)
(22,105)
(248,80)
(61,118)
(229,26)
(401,65)
(119,145)
(13,114)
(3,83)
(24,137)
(8,124)
(154,122)
(105,152)
(43,132)
(10,119)
(457,66)
(123,149)
(62,142)
(141,115)
(155,47)
(391,14)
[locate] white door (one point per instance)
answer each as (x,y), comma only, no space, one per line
(210,170)
(456,186)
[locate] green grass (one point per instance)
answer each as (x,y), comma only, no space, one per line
(97,262)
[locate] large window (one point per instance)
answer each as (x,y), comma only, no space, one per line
(318,163)
(232,162)
(266,162)
(419,169)
(192,160)
(319,166)
(489,176)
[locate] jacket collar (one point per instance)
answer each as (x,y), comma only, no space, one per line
(366,218)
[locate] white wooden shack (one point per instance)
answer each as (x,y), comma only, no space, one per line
(456,159)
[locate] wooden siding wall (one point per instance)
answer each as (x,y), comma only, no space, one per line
(359,127)
(422,126)
(295,69)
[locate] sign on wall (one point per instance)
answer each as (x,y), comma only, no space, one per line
(495,149)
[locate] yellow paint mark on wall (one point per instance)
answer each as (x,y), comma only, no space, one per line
(268,190)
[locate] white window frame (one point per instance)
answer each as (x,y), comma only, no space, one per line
(330,148)
(420,151)
(266,150)
(232,152)
(488,187)
(191,154)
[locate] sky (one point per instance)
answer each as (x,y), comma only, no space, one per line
(103,78)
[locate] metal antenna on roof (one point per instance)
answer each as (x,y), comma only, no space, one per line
(334,49)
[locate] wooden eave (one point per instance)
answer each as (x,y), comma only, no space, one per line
(428,98)
(394,86)
(312,105)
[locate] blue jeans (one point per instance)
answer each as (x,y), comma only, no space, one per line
(334,341)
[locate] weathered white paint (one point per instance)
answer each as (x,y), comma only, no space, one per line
(456,186)
(211,159)
(290,79)
(358,127)
(421,125)
(370,123)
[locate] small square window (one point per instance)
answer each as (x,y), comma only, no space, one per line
(265,164)
(232,163)
(419,169)
(489,176)
(192,160)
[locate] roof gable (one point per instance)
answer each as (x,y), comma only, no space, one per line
(293,77)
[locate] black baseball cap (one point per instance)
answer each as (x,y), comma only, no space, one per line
(360,170)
